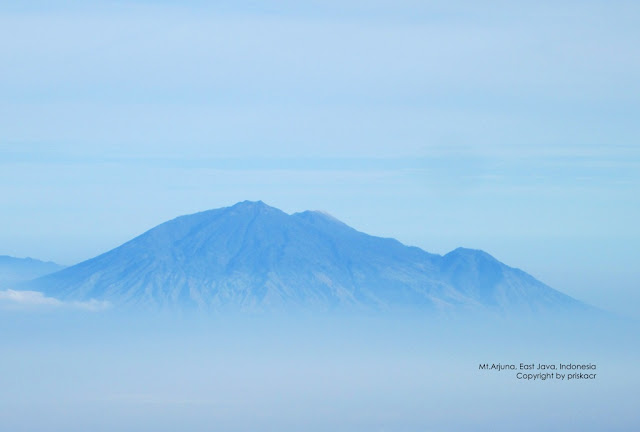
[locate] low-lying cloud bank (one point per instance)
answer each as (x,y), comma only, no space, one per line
(31,299)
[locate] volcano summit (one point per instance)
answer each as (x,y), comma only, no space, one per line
(251,256)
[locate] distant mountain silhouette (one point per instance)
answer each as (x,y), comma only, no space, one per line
(14,270)
(251,256)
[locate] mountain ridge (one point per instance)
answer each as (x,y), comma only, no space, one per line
(16,270)
(251,256)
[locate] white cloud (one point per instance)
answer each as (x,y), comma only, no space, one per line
(13,298)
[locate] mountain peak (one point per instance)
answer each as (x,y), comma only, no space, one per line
(252,206)
(254,256)
(468,253)
(249,203)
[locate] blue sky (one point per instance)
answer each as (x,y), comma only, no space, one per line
(510,127)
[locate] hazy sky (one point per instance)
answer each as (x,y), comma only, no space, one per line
(505,126)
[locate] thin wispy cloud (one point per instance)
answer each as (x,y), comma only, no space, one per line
(35,299)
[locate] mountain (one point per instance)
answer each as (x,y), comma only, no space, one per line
(251,256)
(16,270)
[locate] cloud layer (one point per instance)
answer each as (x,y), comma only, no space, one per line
(35,299)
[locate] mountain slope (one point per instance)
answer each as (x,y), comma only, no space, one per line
(479,276)
(251,256)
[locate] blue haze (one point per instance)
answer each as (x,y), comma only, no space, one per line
(509,127)
(106,372)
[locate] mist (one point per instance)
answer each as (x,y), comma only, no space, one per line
(79,370)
